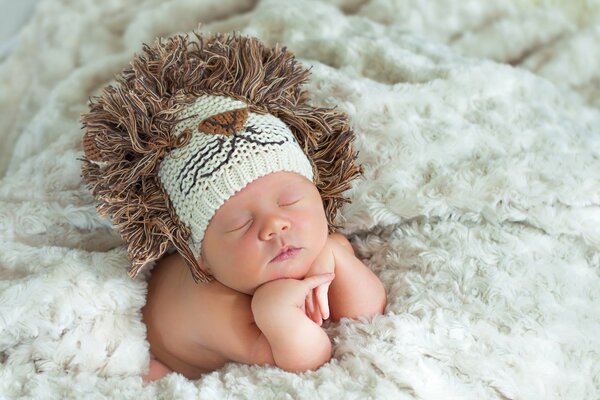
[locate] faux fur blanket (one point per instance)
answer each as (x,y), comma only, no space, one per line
(478,127)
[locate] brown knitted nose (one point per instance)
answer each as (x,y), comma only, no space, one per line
(226,123)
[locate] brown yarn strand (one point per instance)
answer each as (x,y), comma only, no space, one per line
(129,130)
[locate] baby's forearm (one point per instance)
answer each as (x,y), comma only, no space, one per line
(297,343)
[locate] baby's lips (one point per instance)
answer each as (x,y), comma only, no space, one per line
(285,253)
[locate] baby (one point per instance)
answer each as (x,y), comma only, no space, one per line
(210,162)
(258,220)
(273,263)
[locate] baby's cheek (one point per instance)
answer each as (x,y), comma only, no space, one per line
(323,225)
(315,232)
(307,226)
(246,247)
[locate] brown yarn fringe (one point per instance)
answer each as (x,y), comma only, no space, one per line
(129,131)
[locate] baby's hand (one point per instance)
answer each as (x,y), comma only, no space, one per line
(296,342)
(316,304)
(273,295)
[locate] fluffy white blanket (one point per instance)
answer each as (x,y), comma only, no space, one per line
(478,125)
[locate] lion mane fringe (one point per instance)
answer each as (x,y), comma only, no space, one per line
(128,132)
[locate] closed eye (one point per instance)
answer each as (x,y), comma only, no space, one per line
(291,203)
(239,228)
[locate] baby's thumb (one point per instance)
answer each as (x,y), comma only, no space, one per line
(316,280)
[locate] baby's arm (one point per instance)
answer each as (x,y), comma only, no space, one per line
(356,290)
(267,329)
(225,325)
(296,342)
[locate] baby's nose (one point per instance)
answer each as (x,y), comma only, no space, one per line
(273,226)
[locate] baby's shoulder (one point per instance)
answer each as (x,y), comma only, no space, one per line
(225,324)
(221,314)
(194,326)
(216,291)
(341,239)
(216,302)
(199,307)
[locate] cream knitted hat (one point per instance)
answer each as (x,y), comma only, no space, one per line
(192,120)
(227,148)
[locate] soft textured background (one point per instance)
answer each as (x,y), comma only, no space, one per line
(478,124)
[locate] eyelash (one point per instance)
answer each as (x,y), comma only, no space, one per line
(237,229)
(289,204)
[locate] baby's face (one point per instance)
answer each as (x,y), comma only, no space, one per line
(246,234)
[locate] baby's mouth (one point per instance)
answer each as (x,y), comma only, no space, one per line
(286,253)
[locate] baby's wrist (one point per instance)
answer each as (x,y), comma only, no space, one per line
(267,299)
(271,317)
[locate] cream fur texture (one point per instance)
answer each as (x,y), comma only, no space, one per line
(478,125)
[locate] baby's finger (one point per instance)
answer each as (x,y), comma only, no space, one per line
(308,313)
(318,316)
(313,281)
(322,299)
(310,306)
(314,313)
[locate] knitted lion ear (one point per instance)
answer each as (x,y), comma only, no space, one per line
(129,130)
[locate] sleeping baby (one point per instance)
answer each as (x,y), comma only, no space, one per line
(211,164)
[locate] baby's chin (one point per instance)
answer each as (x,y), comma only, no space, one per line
(280,275)
(297,275)
(289,271)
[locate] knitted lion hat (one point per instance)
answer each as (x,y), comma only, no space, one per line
(192,121)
